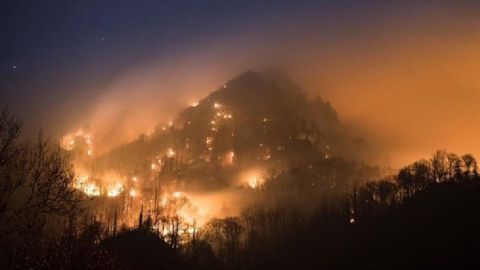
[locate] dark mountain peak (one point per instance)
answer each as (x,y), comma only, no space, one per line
(265,76)
(257,85)
(264,118)
(251,94)
(270,94)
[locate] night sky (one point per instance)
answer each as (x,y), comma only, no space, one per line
(57,52)
(56,47)
(59,58)
(50,44)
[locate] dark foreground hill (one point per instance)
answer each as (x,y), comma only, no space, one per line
(437,228)
(141,249)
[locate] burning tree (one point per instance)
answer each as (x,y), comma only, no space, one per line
(173,221)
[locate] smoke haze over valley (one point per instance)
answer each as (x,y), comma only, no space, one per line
(222,134)
(367,71)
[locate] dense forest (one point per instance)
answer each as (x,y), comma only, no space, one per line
(423,216)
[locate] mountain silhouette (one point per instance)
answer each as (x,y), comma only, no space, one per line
(261,119)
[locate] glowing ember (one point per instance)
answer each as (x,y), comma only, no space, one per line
(209,141)
(83,184)
(164,202)
(253,182)
(132,193)
(229,158)
(170,153)
(68,142)
(88,139)
(114,190)
(91,189)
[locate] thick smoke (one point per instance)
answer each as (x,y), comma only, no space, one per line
(405,87)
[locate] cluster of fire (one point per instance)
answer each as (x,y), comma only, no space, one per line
(229,139)
(152,193)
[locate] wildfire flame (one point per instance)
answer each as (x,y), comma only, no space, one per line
(132,193)
(171,153)
(229,158)
(114,190)
(253,182)
(83,184)
(92,189)
(68,142)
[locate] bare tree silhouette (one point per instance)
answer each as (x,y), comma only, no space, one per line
(35,181)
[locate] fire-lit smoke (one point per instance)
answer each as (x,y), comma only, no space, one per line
(252,178)
(165,203)
(407,86)
(142,99)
